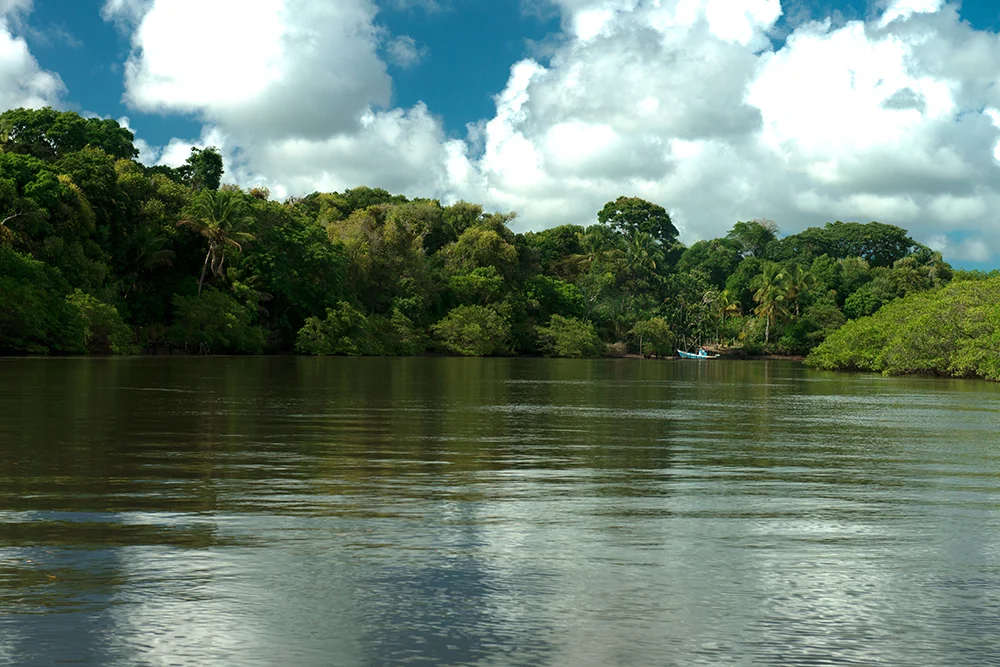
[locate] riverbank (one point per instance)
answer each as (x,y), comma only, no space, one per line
(731,354)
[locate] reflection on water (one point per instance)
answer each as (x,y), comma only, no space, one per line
(494,512)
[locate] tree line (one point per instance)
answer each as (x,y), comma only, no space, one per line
(100,254)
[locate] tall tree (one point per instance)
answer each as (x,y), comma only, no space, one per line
(220,217)
(799,283)
(630,215)
(204,168)
(753,237)
(770,296)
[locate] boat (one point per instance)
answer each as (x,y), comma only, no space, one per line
(700,355)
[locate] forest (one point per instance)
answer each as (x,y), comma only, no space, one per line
(954,332)
(100,254)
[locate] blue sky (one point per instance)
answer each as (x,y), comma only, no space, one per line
(471,45)
(890,111)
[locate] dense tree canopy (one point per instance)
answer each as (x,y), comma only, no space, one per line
(631,215)
(952,331)
(101,254)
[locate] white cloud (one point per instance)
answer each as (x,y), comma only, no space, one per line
(125,12)
(403,51)
(264,68)
(953,211)
(974,249)
(683,102)
(22,81)
(903,9)
(11,6)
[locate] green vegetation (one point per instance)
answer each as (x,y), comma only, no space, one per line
(570,337)
(99,254)
(954,331)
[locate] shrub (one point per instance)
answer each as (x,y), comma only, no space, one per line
(570,337)
(338,333)
(953,331)
(215,322)
(34,314)
(473,331)
(655,337)
(104,330)
(817,322)
(348,331)
(617,349)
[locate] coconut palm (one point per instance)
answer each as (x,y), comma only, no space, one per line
(726,306)
(643,255)
(147,252)
(799,282)
(221,218)
(592,246)
(771,296)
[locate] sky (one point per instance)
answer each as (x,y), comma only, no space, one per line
(800,111)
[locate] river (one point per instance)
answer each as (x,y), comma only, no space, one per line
(301,511)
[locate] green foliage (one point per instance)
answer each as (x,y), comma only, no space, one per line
(387,265)
(35,317)
(222,219)
(214,322)
(479,247)
(818,321)
(717,258)
(876,243)
(654,338)
(97,245)
(771,296)
(48,134)
(348,331)
(552,296)
(570,337)
(953,331)
(473,331)
(556,249)
(753,238)
(293,263)
(204,168)
(739,283)
(482,286)
(629,215)
(104,331)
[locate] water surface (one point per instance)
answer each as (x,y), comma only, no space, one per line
(224,511)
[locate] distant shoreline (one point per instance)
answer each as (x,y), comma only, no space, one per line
(194,355)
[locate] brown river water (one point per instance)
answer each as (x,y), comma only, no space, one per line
(297,511)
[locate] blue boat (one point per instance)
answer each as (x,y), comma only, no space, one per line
(701,355)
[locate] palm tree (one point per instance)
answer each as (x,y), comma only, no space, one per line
(592,246)
(220,217)
(726,306)
(147,253)
(800,282)
(770,296)
(643,254)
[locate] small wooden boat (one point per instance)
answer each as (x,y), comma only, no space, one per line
(700,355)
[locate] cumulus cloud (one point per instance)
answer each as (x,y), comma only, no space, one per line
(22,81)
(684,102)
(263,69)
(903,9)
(679,102)
(125,13)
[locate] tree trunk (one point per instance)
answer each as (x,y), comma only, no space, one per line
(203,268)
